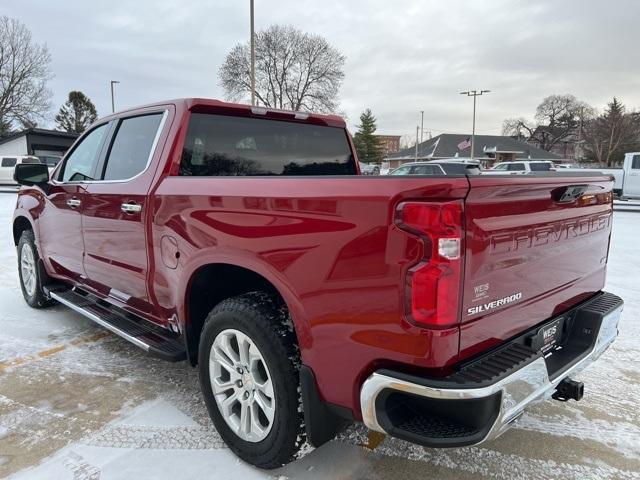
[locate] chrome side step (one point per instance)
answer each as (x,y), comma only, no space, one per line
(135,330)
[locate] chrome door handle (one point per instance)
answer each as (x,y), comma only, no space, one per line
(131,208)
(73,202)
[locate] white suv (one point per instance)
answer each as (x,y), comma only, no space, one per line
(8,165)
(522,167)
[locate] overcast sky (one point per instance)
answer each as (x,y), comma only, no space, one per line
(402,56)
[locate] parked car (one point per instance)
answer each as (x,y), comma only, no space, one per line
(432,309)
(437,167)
(559,166)
(626,183)
(8,164)
(369,168)
(522,167)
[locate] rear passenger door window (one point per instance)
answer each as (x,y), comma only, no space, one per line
(131,147)
(635,163)
(540,167)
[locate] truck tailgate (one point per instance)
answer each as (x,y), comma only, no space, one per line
(535,247)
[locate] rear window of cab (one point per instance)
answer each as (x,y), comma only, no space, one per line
(220,145)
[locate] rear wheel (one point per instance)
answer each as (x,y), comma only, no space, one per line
(241,384)
(32,277)
(249,374)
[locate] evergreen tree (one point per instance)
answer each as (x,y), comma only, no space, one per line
(367,145)
(611,134)
(77,113)
(615,110)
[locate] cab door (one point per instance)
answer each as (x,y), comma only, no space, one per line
(631,186)
(60,221)
(115,212)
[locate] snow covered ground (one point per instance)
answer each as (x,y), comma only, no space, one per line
(79,403)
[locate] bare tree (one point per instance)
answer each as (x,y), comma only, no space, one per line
(294,70)
(24,72)
(609,135)
(558,118)
(519,127)
(407,140)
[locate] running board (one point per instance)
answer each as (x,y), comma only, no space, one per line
(153,340)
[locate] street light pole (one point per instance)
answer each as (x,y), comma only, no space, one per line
(253,58)
(417,135)
(421,125)
(578,147)
(113,104)
(474,94)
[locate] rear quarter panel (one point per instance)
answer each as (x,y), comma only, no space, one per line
(328,244)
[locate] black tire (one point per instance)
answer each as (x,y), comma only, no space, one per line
(35,296)
(266,321)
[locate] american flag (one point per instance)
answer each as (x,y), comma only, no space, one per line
(464,144)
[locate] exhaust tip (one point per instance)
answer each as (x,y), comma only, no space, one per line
(569,389)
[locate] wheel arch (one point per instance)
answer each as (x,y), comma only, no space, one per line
(20,224)
(211,283)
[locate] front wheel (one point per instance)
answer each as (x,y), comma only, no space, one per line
(31,275)
(249,362)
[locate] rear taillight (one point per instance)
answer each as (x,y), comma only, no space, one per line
(434,284)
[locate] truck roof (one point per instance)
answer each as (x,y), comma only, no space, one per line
(196,104)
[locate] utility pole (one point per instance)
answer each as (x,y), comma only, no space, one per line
(253,58)
(417,135)
(421,125)
(474,94)
(578,147)
(113,104)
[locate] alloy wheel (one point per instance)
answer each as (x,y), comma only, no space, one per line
(242,385)
(28,269)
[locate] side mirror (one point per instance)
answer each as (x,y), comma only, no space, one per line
(31,174)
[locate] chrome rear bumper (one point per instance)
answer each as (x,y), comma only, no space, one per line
(516,391)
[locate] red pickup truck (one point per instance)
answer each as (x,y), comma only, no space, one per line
(242,239)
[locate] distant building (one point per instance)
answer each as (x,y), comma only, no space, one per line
(390,143)
(488,149)
(37,141)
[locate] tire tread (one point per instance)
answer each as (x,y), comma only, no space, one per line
(273,322)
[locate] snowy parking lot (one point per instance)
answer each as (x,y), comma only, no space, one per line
(77,402)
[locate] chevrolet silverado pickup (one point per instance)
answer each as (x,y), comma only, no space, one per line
(243,240)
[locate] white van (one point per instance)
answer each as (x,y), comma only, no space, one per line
(8,165)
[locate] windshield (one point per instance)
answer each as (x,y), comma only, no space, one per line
(400,171)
